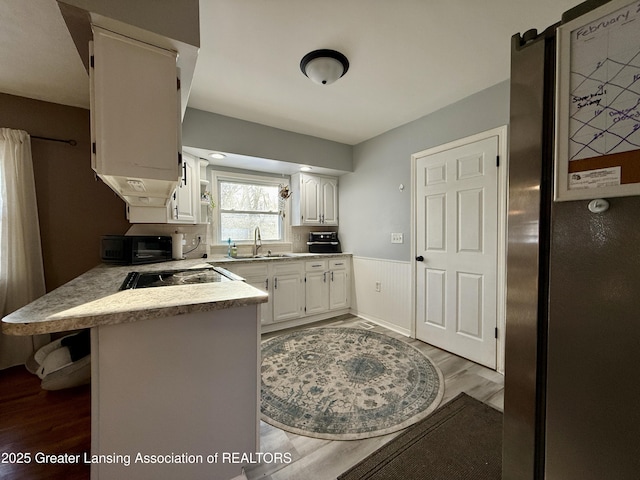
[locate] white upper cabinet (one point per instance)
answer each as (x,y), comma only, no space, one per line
(314,200)
(329,200)
(135,118)
(184,203)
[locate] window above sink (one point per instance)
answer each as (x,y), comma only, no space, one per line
(245,202)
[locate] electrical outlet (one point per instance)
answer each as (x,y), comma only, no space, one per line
(397,238)
(378,286)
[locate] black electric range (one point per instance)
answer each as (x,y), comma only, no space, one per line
(177,277)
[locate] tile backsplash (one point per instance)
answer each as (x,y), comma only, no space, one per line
(298,238)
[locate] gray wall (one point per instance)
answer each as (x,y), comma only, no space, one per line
(212,131)
(371,204)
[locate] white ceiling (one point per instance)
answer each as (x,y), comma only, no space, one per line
(407,58)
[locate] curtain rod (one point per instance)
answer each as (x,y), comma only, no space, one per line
(73,143)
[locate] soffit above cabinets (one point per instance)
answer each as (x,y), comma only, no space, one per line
(256,164)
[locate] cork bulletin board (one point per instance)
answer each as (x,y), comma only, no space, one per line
(598,104)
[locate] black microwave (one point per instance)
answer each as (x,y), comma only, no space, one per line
(135,249)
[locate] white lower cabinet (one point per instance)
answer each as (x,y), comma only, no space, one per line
(257,275)
(288,291)
(339,284)
(300,291)
(284,284)
(327,285)
(316,287)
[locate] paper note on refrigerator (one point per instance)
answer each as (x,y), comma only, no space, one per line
(602,177)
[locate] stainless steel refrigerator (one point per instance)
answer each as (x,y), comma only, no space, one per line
(572,381)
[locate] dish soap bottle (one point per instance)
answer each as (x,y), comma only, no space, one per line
(234,251)
(229,248)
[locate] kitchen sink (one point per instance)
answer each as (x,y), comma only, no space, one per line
(261,257)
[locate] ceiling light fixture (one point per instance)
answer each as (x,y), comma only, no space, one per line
(305,169)
(217,155)
(324,66)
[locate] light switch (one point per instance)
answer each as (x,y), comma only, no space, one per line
(396,238)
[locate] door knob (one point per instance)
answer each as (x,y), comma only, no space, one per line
(420,258)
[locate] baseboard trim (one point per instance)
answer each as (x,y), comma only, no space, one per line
(382,323)
(274,327)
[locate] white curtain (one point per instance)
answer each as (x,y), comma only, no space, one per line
(21,270)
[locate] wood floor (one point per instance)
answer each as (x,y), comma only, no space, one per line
(33,420)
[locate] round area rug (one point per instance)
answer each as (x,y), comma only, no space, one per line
(345,383)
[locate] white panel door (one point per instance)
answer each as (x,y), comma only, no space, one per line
(456,250)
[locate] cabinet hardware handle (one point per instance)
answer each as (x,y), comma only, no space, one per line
(266,284)
(324,277)
(184,177)
(332,276)
(420,258)
(275,283)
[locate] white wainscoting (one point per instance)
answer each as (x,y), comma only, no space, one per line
(391,306)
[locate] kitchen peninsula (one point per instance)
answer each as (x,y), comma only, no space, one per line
(174,369)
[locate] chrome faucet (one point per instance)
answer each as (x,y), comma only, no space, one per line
(257,241)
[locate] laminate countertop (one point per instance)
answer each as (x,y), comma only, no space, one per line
(94,299)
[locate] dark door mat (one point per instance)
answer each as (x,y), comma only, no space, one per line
(461,440)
